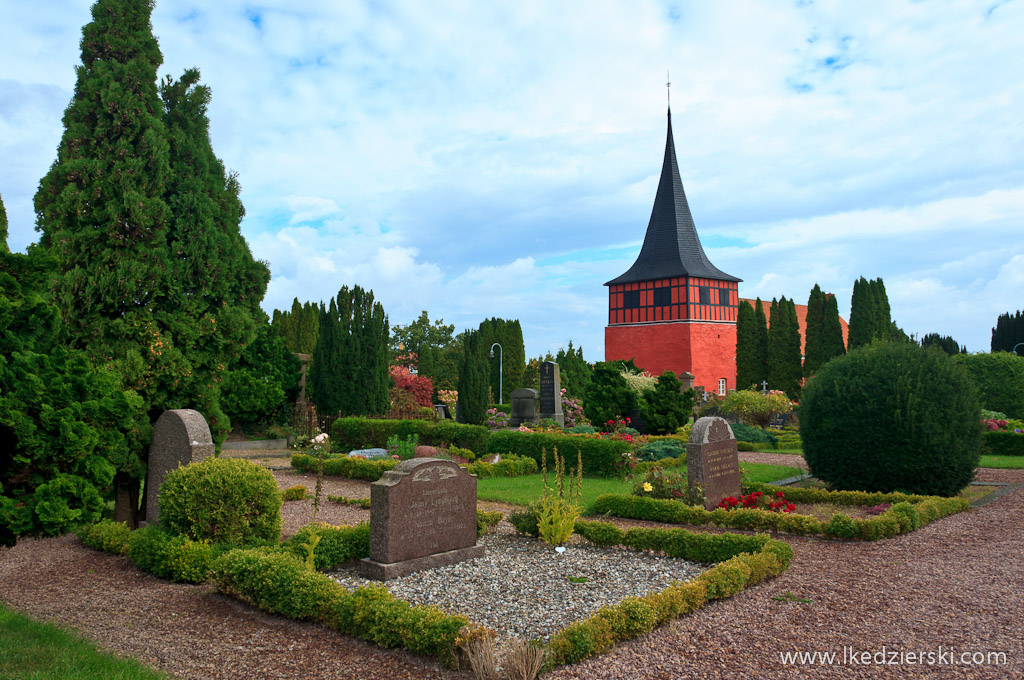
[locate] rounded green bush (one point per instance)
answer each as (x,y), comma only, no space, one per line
(892,417)
(224,500)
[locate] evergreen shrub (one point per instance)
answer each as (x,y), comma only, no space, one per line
(892,417)
(601,457)
(660,449)
(999,377)
(337,545)
(1004,443)
(295,493)
(360,433)
(106,535)
(754,435)
(608,395)
(223,500)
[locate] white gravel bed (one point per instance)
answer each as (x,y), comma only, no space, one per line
(521,587)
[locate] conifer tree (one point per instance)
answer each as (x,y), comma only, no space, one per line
(884,328)
(832,331)
(325,373)
(1008,332)
(574,371)
(3,228)
(784,370)
(473,383)
(748,364)
(943,342)
(863,315)
(509,334)
(814,334)
(761,343)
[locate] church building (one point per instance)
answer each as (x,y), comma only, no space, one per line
(673,310)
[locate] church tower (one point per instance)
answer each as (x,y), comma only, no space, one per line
(673,310)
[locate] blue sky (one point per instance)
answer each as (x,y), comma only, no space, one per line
(501,158)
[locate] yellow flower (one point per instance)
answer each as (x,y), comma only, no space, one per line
(648,487)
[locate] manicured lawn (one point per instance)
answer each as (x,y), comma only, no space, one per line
(30,650)
(1002,462)
(523,490)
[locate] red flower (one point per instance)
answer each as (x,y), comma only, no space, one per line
(780,494)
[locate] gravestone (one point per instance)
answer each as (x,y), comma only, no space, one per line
(551,393)
(442,412)
(524,407)
(369,454)
(712,461)
(686,378)
(422,516)
(180,437)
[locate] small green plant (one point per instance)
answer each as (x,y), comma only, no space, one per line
(322,446)
(578,579)
(559,506)
(403,448)
(790,597)
(295,493)
(345,500)
(310,547)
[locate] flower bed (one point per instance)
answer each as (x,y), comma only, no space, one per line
(906,512)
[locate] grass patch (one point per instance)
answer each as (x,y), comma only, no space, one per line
(30,650)
(523,490)
(1002,462)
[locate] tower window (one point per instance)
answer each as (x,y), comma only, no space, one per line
(723,297)
(631,299)
(662,297)
(705,295)
(721,387)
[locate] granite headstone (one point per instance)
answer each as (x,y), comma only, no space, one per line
(524,407)
(180,437)
(422,516)
(712,461)
(551,393)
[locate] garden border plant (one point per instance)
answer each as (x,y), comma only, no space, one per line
(906,513)
(372,470)
(276,579)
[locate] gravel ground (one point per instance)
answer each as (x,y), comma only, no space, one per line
(953,585)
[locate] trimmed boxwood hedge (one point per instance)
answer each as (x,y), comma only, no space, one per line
(361,433)
(343,466)
(906,514)
(600,456)
(748,560)
(1000,443)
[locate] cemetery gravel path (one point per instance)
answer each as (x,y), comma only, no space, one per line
(953,584)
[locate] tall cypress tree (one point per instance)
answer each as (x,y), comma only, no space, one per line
(323,379)
(1008,331)
(884,327)
(863,315)
(814,334)
(473,385)
(509,334)
(3,228)
(761,343)
(784,370)
(748,364)
(832,331)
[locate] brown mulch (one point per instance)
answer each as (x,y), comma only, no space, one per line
(952,584)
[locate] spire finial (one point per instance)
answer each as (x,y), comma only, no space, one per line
(668,87)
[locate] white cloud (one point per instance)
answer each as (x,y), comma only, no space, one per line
(483,159)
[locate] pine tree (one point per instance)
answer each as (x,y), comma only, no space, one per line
(761,343)
(473,384)
(748,364)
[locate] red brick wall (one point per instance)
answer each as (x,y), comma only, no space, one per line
(705,349)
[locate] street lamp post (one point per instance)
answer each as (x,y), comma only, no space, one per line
(501,358)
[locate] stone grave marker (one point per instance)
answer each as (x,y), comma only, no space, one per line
(180,437)
(422,516)
(524,407)
(551,393)
(712,460)
(369,454)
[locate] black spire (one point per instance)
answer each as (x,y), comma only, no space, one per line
(671,247)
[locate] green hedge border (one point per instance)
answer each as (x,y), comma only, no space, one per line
(275,579)
(1000,443)
(746,560)
(907,512)
(601,457)
(360,433)
(372,470)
